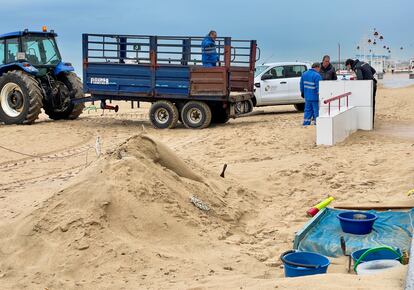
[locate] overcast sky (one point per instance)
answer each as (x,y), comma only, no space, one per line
(285,30)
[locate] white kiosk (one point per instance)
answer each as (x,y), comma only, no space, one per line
(344,107)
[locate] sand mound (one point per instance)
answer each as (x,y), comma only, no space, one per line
(125,210)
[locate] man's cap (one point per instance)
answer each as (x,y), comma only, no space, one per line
(316,64)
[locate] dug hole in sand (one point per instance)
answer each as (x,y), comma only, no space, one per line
(126,222)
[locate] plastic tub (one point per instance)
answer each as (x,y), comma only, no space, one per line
(357,222)
(374,260)
(376,266)
(298,263)
(380,253)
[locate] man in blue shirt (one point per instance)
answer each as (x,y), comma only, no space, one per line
(210,56)
(309,88)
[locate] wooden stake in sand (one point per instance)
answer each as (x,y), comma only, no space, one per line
(98,146)
(224,170)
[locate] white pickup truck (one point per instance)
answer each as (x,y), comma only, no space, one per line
(279,84)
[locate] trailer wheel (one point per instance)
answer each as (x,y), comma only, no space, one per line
(163,115)
(196,115)
(70,87)
(20,98)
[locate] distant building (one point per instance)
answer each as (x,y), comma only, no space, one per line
(380,62)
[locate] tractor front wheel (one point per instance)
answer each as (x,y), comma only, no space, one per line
(61,106)
(300,107)
(20,98)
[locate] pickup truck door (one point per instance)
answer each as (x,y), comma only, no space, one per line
(293,74)
(275,88)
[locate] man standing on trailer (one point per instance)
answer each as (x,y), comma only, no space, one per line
(309,88)
(210,56)
(364,71)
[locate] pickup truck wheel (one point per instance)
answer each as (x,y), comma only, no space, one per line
(163,115)
(220,116)
(300,107)
(69,87)
(20,98)
(196,115)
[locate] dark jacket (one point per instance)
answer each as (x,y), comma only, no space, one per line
(363,70)
(328,73)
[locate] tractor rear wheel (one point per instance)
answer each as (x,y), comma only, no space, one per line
(70,87)
(20,98)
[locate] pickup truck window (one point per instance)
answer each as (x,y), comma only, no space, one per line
(259,69)
(294,71)
(277,72)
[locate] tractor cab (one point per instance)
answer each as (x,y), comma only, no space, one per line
(37,52)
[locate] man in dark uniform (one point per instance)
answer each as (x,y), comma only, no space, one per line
(364,71)
(327,71)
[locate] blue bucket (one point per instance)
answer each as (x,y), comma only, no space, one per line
(304,263)
(357,222)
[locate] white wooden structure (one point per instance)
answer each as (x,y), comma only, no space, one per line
(344,107)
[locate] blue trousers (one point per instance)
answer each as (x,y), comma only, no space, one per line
(311,112)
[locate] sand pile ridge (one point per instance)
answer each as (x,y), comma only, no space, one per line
(131,203)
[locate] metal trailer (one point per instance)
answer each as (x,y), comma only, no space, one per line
(167,71)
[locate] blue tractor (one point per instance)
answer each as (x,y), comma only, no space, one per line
(33,76)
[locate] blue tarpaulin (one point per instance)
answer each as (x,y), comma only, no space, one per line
(392,228)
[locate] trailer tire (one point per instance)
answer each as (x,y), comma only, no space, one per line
(74,88)
(163,115)
(300,107)
(20,98)
(196,115)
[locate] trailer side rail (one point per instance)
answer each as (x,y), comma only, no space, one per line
(146,49)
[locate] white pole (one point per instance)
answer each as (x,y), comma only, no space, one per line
(339,56)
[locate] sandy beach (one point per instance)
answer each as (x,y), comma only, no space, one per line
(71,220)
